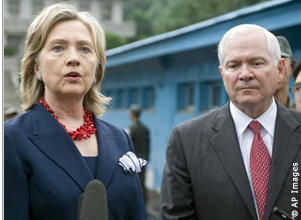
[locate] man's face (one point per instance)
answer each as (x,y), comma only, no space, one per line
(133,117)
(287,73)
(298,92)
(250,74)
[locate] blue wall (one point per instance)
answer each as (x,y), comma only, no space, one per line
(183,72)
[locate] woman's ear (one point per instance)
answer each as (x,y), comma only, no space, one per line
(36,69)
(36,66)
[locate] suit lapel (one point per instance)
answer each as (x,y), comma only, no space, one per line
(56,144)
(285,148)
(226,146)
(107,157)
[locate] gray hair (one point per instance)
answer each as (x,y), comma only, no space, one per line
(272,42)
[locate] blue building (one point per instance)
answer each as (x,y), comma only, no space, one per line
(174,76)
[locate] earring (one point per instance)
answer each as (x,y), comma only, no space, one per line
(39,77)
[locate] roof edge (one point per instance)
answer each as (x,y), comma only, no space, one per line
(194,27)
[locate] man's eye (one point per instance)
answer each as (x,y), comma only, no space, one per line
(231,66)
(57,48)
(258,64)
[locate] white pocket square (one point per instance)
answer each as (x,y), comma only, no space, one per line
(131,163)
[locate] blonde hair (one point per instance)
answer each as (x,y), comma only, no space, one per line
(31,89)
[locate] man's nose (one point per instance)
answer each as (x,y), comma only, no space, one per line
(73,58)
(246,73)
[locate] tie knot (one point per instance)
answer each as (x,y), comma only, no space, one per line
(255,127)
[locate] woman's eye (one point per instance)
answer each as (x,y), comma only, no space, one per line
(85,49)
(57,48)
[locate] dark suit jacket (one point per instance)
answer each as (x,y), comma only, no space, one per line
(140,136)
(45,173)
(204,177)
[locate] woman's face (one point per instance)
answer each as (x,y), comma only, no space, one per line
(67,61)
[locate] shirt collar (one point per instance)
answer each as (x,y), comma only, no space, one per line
(267,119)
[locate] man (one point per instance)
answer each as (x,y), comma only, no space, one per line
(297,87)
(281,93)
(237,162)
(140,136)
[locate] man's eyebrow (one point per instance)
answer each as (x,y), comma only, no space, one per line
(258,58)
(232,61)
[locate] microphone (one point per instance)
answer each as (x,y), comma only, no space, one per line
(92,204)
(282,214)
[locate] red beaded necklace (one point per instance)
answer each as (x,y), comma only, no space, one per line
(83,132)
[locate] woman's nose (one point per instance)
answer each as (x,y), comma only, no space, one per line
(73,59)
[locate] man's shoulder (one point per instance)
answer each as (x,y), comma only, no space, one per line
(289,112)
(142,126)
(288,118)
(138,127)
(203,121)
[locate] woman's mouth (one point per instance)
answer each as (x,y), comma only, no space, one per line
(73,76)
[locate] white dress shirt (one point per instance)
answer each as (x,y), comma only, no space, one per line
(245,135)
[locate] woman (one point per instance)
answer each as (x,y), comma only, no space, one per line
(58,146)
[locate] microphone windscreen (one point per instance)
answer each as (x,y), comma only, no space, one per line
(282,214)
(93,202)
(80,200)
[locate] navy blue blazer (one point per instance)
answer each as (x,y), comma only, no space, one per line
(44,173)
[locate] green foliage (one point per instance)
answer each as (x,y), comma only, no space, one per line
(158,16)
(9,51)
(143,24)
(114,40)
(130,5)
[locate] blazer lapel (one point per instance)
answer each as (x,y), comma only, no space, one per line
(56,144)
(226,146)
(285,148)
(107,157)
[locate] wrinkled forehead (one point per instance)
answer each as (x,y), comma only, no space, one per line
(242,34)
(243,41)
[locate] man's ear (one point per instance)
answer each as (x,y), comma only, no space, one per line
(221,71)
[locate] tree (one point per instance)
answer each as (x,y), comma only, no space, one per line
(143,24)
(159,16)
(114,40)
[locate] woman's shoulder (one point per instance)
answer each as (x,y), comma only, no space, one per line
(121,138)
(109,128)
(19,122)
